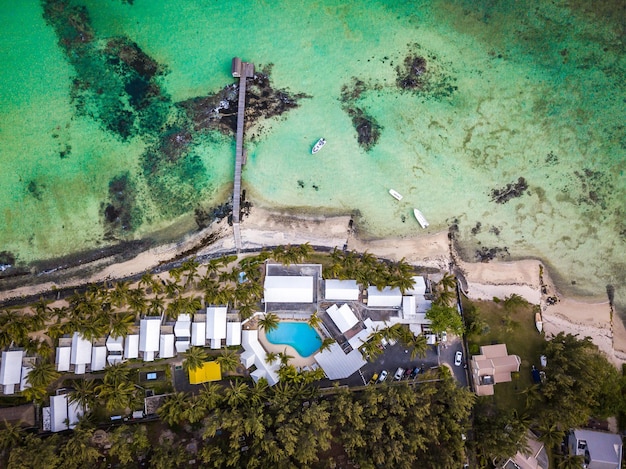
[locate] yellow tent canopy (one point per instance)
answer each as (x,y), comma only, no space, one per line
(209,371)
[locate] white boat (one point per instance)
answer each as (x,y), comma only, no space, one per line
(396,195)
(421,219)
(318,146)
(538,322)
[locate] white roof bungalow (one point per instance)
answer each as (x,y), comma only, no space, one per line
(288,289)
(115,344)
(80,355)
(98,358)
(182,328)
(341,290)
(62,359)
(11,370)
(387,298)
(149,333)
(255,354)
(343,317)
(166,346)
(62,411)
(131,347)
(233,333)
(198,334)
(216,325)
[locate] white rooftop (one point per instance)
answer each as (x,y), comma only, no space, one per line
(98,358)
(198,334)
(131,348)
(81,351)
(250,342)
(388,297)
(166,346)
(182,328)
(149,332)
(24,382)
(11,370)
(336,364)
(288,289)
(58,413)
(115,344)
(345,290)
(343,317)
(233,333)
(419,286)
(182,344)
(62,359)
(216,322)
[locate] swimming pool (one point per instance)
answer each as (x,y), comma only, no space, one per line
(299,335)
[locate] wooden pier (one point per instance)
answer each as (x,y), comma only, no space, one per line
(241,70)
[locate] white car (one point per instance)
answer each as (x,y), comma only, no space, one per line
(458,358)
(383,376)
(399,374)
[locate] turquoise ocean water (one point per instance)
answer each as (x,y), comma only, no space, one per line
(527,89)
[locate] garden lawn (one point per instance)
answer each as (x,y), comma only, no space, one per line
(515,328)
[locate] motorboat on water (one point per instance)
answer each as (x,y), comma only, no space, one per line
(318,145)
(421,219)
(395,194)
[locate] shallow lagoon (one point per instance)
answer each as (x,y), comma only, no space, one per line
(523,89)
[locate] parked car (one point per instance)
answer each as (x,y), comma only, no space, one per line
(407,373)
(399,374)
(374,378)
(383,376)
(444,336)
(415,372)
(458,358)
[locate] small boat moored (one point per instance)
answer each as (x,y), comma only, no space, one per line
(421,219)
(538,322)
(318,145)
(396,195)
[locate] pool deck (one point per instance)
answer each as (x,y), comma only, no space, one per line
(297,361)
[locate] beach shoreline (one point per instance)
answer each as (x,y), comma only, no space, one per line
(529,278)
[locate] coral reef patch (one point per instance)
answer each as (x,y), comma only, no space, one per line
(510,191)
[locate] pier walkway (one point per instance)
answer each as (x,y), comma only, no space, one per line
(242,70)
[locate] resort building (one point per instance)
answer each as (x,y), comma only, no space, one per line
(338,364)
(233,333)
(131,346)
(62,358)
(343,317)
(80,354)
(534,456)
(600,450)
(149,335)
(494,365)
(283,289)
(98,357)
(341,290)
(386,298)
(198,332)
(61,415)
(254,354)
(166,346)
(11,370)
(182,331)
(115,349)
(216,325)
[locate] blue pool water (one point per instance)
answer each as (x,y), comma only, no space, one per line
(299,335)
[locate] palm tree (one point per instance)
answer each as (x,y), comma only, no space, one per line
(514,301)
(210,395)
(571,462)
(326,343)
(121,324)
(118,396)
(269,322)
(116,373)
(119,295)
(228,360)
(315,320)
(137,302)
(173,410)
(284,357)
(78,451)
(84,393)
(271,357)
(236,394)
(194,358)
(190,267)
(447,282)
(11,436)
(42,374)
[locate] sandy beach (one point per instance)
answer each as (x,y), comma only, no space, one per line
(265,228)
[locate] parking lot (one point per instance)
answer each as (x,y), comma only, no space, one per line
(398,356)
